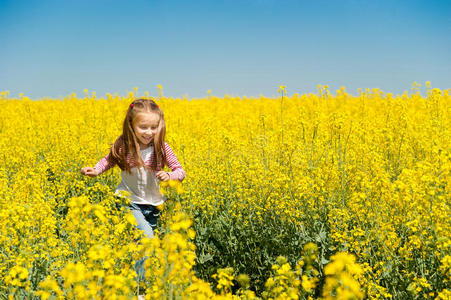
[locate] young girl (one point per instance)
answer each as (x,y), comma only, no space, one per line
(141,153)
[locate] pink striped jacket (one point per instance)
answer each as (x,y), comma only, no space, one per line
(177,171)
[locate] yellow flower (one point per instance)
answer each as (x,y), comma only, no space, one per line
(371,168)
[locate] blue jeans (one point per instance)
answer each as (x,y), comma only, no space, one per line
(147,218)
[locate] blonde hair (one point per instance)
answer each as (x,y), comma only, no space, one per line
(127,143)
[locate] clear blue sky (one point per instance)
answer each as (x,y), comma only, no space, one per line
(249,47)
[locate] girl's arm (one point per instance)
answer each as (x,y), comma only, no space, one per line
(103,165)
(88,171)
(177,171)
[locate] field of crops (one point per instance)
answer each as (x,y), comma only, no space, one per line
(305,196)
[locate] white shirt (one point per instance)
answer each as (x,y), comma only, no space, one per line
(142,184)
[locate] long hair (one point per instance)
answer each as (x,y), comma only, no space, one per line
(127,146)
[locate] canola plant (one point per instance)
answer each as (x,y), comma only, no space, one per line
(329,196)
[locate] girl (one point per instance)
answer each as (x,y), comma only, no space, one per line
(141,153)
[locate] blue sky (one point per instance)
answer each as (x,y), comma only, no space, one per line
(249,47)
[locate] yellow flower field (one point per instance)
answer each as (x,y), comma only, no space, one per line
(323,195)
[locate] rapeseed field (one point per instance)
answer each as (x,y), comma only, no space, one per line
(324,195)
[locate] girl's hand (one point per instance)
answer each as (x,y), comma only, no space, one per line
(162,175)
(88,171)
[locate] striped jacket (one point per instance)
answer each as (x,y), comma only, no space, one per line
(177,172)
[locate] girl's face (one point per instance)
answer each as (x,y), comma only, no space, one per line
(145,126)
